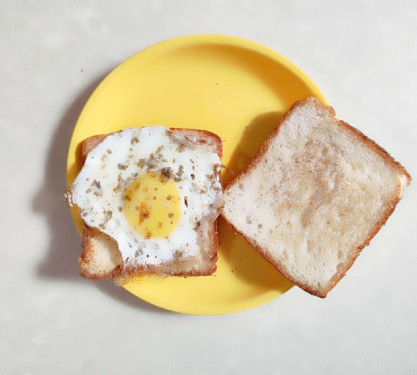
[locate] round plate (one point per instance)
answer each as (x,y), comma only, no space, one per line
(230,86)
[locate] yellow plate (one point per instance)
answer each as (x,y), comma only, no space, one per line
(233,87)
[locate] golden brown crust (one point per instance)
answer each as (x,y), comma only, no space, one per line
(88,144)
(369,142)
(88,260)
(178,267)
(203,134)
(355,252)
(271,261)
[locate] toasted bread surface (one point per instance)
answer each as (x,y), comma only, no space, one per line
(101,258)
(319,191)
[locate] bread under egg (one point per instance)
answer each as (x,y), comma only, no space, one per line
(155,194)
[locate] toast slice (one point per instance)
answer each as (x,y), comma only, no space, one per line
(314,195)
(101,258)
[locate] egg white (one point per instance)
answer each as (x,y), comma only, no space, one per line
(99,189)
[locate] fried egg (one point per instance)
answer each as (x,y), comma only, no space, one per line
(152,190)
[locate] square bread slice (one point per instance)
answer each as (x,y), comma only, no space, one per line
(314,195)
(101,258)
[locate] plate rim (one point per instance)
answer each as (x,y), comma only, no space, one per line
(182,41)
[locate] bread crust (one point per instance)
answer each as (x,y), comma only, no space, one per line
(88,259)
(369,142)
(354,252)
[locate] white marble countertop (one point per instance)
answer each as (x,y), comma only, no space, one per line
(363,57)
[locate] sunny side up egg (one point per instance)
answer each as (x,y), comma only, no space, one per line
(150,189)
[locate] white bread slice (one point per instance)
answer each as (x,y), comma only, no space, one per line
(101,258)
(314,195)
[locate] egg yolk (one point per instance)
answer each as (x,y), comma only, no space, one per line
(152,205)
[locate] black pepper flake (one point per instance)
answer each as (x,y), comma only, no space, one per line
(178,254)
(134,140)
(166,172)
(97,188)
(141,163)
(152,162)
(170,215)
(186,201)
(181,147)
(108,215)
(192,176)
(120,183)
(122,166)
